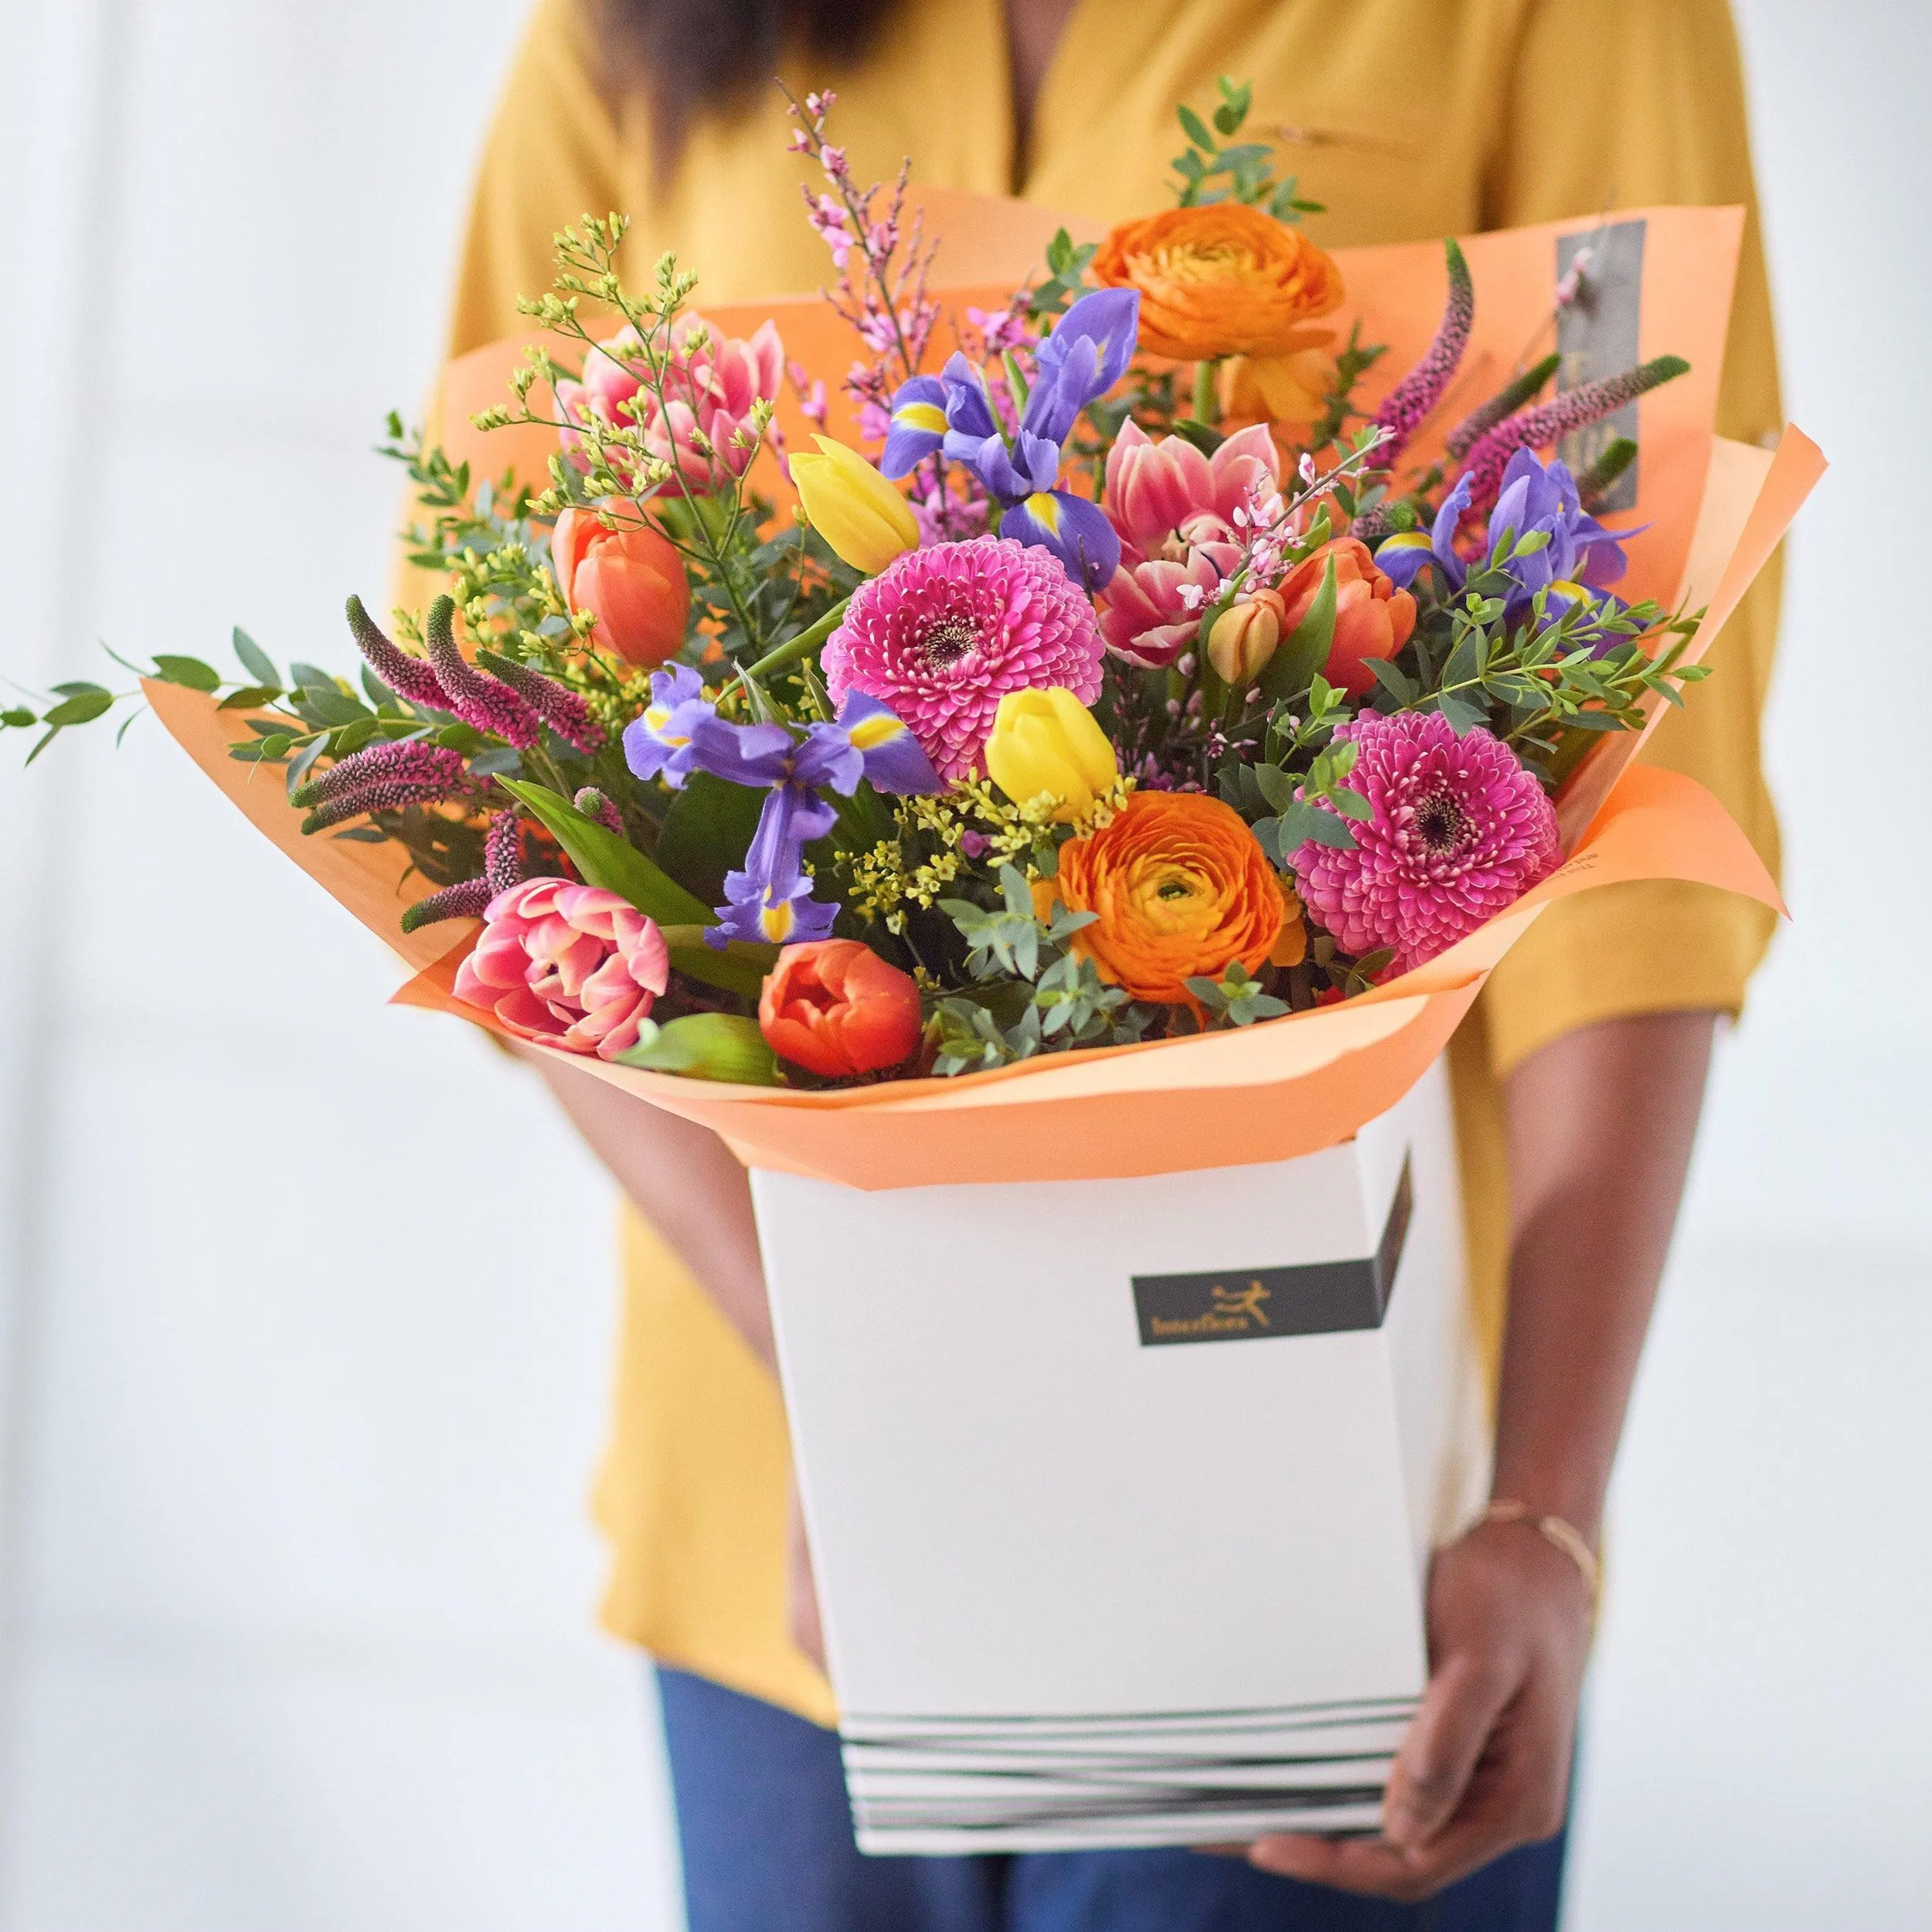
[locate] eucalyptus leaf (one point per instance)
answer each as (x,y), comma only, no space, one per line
(1402,688)
(331,707)
(1277,787)
(1303,822)
(249,697)
(83,708)
(190,672)
(255,660)
(304,763)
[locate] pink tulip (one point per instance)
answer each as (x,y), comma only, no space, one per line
(1153,607)
(705,394)
(572,966)
(1153,489)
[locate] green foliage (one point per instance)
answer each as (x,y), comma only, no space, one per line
(706,1046)
(1551,683)
(1210,172)
(1067,262)
(1033,995)
(190,672)
(1299,657)
(1010,938)
(1235,998)
(1355,360)
(604,859)
(705,833)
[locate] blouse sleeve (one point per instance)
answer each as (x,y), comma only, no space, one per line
(1622,103)
(553,154)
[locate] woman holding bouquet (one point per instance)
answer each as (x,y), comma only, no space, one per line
(1579,1077)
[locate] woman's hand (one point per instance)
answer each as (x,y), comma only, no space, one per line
(1600,1123)
(1485,1765)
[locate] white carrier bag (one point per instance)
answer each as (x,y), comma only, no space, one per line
(1120,1493)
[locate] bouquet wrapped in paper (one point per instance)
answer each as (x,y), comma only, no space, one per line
(987,750)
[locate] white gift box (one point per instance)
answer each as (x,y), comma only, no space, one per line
(1120,1493)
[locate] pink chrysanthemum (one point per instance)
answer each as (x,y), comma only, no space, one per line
(942,633)
(1460,830)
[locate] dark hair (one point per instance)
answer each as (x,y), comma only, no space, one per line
(690,55)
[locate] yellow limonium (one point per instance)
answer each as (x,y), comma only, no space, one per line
(852,507)
(1046,743)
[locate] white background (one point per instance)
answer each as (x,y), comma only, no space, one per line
(305,1304)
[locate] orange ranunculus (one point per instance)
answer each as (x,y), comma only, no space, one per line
(1222,281)
(632,581)
(1291,389)
(1372,618)
(1181,888)
(834,1007)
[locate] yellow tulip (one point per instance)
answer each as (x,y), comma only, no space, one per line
(852,507)
(1048,741)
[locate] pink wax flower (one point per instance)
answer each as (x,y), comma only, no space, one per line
(941,634)
(1153,489)
(708,387)
(1460,831)
(572,966)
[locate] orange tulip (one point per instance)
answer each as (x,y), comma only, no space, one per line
(1225,279)
(834,1008)
(1181,887)
(632,581)
(1372,618)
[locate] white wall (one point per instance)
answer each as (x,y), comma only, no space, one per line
(295,1584)
(301,1403)
(1763,1692)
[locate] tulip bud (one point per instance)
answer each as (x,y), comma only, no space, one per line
(1241,639)
(1048,741)
(632,581)
(852,507)
(834,1008)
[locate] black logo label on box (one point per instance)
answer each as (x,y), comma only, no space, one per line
(1317,1298)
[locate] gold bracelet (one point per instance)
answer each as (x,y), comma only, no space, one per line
(1555,1531)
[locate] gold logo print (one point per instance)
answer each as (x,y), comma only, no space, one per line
(1247,1302)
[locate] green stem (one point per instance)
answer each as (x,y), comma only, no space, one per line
(1204,407)
(803,645)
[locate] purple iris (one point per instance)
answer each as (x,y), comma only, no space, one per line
(771,899)
(1580,554)
(951,415)
(656,743)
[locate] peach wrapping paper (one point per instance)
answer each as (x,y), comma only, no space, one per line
(1291,1085)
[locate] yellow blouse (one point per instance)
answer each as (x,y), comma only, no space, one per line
(1410,119)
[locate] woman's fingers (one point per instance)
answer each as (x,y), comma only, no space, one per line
(1485,1765)
(1465,1697)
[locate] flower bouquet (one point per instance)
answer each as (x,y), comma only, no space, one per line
(1110,731)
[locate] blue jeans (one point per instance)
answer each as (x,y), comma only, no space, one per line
(768,1847)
